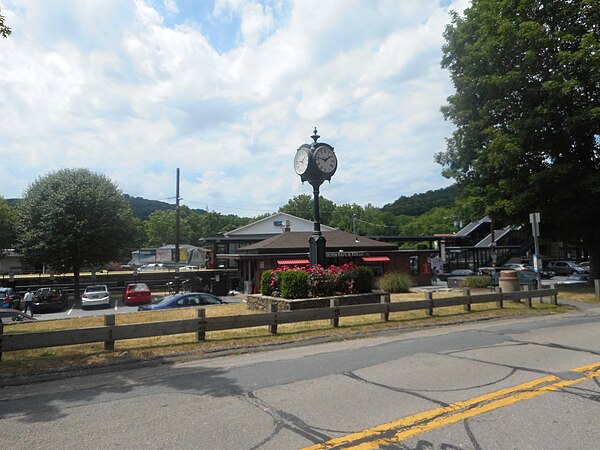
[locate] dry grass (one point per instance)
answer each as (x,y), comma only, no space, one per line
(577,292)
(63,358)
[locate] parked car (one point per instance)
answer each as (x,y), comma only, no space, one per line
(566,268)
(49,298)
(9,298)
(9,315)
(96,295)
(580,278)
(183,301)
(137,293)
(545,274)
(527,277)
(149,267)
(456,273)
(189,268)
(517,266)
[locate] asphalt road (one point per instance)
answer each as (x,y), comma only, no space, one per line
(525,383)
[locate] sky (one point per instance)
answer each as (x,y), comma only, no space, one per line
(226,91)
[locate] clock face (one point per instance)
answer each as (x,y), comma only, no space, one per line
(301,161)
(325,159)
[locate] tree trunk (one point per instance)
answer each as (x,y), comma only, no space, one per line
(594,264)
(77,297)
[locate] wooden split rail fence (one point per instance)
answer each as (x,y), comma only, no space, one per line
(110,332)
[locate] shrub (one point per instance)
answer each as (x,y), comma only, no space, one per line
(477,282)
(294,284)
(363,279)
(266,288)
(395,282)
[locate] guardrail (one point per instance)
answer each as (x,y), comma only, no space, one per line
(110,332)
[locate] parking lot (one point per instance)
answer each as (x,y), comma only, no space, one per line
(117,307)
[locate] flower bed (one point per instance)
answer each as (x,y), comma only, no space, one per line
(303,282)
(263,302)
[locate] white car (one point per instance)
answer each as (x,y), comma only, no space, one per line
(96,295)
(189,268)
(158,266)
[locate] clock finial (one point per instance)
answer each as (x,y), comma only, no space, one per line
(315,136)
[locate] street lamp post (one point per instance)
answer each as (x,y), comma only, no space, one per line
(316,163)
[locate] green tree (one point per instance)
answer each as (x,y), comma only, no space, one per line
(73,218)
(160,228)
(527,113)
(345,217)
(8,223)
(303,206)
(4,29)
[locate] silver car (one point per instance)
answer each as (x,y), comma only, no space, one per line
(96,295)
(566,268)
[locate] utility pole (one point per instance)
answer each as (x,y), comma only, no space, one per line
(534,218)
(177,234)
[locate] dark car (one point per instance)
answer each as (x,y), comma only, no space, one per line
(545,274)
(9,298)
(566,268)
(137,293)
(9,315)
(49,299)
(183,301)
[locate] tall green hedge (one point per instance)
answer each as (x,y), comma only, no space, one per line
(265,283)
(364,280)
(294,284)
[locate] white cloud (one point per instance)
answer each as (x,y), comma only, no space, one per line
(116,90)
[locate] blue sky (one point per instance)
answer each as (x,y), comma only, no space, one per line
(225,90)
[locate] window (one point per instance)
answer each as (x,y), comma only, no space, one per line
(414,265)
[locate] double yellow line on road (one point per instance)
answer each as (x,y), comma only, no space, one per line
(407,427)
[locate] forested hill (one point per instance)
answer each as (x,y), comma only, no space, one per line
(419,204)
(142,208)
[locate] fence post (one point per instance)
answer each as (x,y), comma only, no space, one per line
(467,305)
(597,288)
(1,334)
(385,298)
(201,334)
(273,326)
(109,321)
(554,297)
(526,288)
(335,304)
(500,303)
(429,296)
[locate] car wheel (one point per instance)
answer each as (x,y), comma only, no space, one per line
(574,272)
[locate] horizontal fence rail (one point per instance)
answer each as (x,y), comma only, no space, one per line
(110,332)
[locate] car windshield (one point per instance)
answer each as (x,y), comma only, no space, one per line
(137,287)
(165,300)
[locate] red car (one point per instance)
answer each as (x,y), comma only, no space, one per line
(137,293)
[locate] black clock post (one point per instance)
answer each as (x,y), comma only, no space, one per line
(316,163)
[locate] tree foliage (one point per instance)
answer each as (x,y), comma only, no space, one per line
(302,206)
(4,29)
(8,222)
(527,113)
(73,218)
(418,204)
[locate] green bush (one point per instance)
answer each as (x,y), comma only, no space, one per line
(363,281)
(294,284)
(477,282)
(265,283)
(395,282)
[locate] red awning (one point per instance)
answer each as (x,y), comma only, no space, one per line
(376,258)
(292,262)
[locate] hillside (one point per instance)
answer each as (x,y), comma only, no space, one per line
(419,204)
